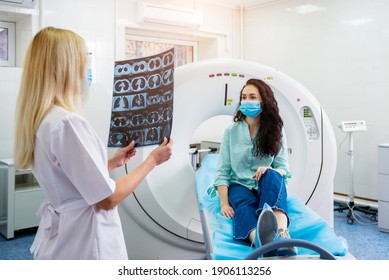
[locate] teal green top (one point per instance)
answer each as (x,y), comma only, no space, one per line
(237,164)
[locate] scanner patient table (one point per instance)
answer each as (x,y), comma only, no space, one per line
(305,224)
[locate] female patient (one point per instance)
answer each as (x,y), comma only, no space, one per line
(252,169)
(79,218)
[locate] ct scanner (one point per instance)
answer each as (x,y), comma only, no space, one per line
(161,219)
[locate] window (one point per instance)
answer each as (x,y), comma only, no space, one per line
(139,46)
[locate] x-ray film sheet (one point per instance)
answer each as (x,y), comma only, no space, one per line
(142,101)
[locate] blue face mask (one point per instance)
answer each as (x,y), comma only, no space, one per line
(86,83)
(250,108)
(89,76)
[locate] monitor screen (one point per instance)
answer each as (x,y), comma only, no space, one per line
(4,43)
(7,43)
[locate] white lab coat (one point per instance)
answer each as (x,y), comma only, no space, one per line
(70,165)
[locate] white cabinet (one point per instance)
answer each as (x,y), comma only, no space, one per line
(383,187)
(20,198)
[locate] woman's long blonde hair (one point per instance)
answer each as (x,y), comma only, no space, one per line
(54,67)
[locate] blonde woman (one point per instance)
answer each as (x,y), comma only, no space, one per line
(79,217)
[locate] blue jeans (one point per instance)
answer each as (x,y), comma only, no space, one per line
(248,204)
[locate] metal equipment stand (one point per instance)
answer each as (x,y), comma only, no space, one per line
(195,152)
(350,127)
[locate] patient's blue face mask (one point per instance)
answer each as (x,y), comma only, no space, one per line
(250,108)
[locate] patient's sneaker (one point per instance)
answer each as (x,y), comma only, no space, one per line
(266,229)
(283,234)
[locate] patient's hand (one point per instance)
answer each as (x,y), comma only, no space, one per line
(227,211)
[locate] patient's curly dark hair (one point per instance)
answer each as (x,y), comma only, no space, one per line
(267,141)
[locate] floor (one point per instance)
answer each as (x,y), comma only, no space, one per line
(364,239)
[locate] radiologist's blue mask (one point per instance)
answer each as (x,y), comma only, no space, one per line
(250,108)
(89,76)
(89,73)
(87,82)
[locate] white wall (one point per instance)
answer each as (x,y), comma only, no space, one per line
(339,51)
(9,86)
(102,24)
(218,36)
(25,20)
(94,20)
